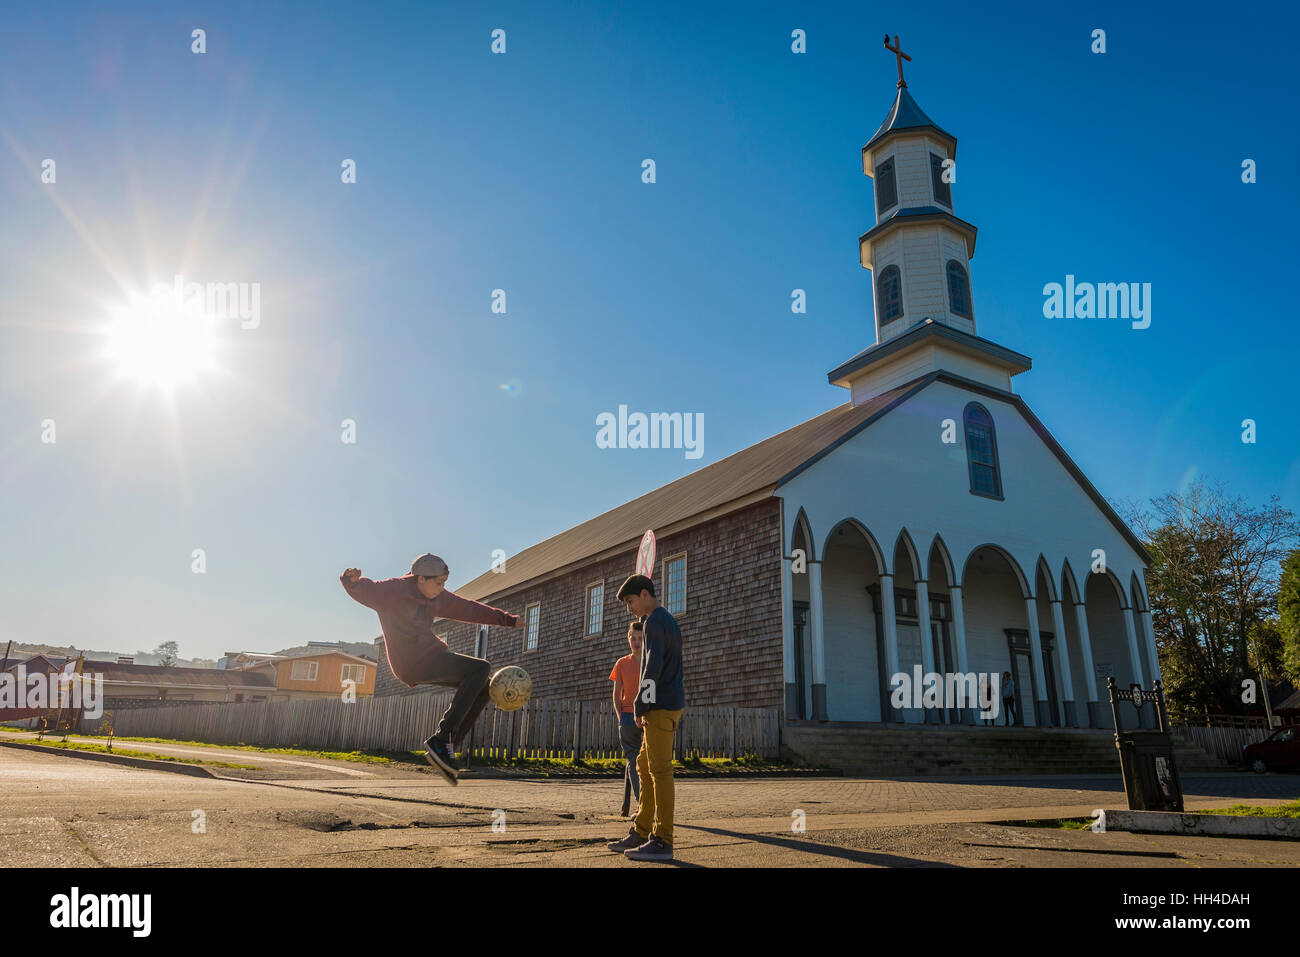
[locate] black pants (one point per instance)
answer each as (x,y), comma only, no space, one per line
(469,676)
(1009,706)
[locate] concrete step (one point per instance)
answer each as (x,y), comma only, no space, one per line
(930,749)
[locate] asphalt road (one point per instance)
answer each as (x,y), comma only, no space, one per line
(56,810)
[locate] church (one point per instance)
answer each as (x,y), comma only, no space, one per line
(931,521)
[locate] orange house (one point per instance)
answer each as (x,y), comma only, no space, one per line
(319,675)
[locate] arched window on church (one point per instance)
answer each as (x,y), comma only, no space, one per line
(959,290)
(889,294)
(982,452)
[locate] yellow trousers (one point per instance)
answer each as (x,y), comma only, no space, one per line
(654,768)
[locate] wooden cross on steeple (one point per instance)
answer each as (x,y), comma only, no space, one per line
(901,56)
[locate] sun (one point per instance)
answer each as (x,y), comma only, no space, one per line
(161,339)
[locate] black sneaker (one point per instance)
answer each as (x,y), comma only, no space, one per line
(439,754)
(633,840)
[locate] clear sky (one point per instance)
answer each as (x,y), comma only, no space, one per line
(522,171)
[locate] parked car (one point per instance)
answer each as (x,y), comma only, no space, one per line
(1281,749)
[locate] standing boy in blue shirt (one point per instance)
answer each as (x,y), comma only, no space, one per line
(658,708)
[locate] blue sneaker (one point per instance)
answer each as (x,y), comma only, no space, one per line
(439,754)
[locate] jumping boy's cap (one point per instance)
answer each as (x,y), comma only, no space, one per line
(429,565)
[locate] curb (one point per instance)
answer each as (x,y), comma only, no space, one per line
(194,770)
(1198,825)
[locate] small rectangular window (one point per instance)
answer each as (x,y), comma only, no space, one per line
(303,671)
(355,673)
(533,615)
(886,186)
(675,584)
(942,190)
(595,607)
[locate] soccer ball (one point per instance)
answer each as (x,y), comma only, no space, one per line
(510,688)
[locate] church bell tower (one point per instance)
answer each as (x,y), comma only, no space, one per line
(918,251)
(919,254)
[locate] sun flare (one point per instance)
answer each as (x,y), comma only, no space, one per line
(161,339)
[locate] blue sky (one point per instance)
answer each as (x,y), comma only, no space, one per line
(522,172)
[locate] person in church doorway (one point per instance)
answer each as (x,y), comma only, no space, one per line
(1009,699)
(627,679)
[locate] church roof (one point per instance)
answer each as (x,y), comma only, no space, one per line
(758,468)
(906,115)
(925,329)
(743,478)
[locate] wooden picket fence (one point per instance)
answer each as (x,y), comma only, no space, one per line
(545,727)
(1224,743)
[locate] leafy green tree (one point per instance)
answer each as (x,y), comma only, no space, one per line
(1213,583)
(1288,607)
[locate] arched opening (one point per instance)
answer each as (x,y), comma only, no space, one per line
(851,633)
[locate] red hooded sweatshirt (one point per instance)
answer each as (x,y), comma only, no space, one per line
(406,618)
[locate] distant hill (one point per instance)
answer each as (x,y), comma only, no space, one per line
(24,650)
(362,649)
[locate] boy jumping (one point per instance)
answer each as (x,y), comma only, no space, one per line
(407,608)
(659,703)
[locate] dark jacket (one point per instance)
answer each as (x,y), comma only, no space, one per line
(661,664)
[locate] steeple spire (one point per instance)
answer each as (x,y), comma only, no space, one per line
(897,50)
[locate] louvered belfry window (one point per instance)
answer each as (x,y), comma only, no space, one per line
(942,190)
(886,186)
(959,290)
(889,294)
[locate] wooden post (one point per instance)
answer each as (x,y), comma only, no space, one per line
(577,731)
(733,733)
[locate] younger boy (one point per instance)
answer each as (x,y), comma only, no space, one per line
(627,679)
(658,707)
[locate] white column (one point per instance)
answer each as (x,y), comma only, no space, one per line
(1131,635)
(818,640)
(1089,669)
(1041,716)
(787,621)
(959,636)
(888,617)
(1063,648)
(1152,656)
(927,646)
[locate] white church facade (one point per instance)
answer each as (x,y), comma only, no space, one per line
(929,522)
(953,533)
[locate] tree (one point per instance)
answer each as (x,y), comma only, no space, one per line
(1213,579)
(167,651)
(1288,608)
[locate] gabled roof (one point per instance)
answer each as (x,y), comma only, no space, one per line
(152,675)
(752,471)
(906,115)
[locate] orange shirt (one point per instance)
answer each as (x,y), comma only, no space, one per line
(627,670)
